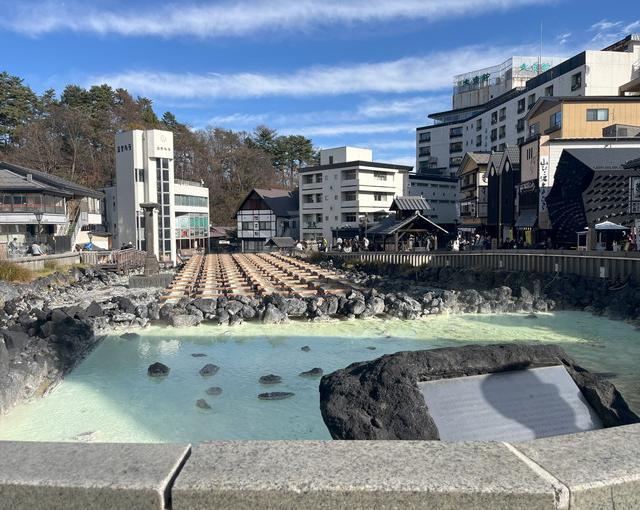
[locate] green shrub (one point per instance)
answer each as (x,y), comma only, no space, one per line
(11,272)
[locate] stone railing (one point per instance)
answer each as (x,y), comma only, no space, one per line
(594,264)
(37,263)
(598,469)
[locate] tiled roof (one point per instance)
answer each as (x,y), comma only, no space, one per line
(410,203)
(282,202)
(494,160)
(281,242)
(390,225)
(50,181)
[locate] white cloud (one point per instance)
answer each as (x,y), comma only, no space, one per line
(403,160)
(327,130)
(607,32)
(233,18)
(563,38)
(413,106)
(411,74)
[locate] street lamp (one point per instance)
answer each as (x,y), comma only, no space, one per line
(39,215)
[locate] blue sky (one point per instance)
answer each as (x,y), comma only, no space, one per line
(342,72)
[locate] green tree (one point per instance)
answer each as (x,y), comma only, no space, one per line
(18,106)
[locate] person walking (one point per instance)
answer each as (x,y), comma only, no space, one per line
(36,251)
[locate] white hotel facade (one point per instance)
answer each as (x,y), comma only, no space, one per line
(347,191)
(490,105)
(145,174)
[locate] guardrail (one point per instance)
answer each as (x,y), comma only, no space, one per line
(593,264)
(121,261)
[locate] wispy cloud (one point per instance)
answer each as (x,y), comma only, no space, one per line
(412,74)
(331,129)
(413,106)
(233,18)
(607,32)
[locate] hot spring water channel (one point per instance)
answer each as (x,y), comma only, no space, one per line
(110,398)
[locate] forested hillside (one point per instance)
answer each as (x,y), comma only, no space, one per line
(72,135)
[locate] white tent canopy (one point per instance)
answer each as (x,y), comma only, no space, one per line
(608,225)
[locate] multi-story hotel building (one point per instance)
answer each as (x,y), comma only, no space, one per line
(347,193)
(440,192)
(490,105)
(145,174)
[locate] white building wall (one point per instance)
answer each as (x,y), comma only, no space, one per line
(441,196)
(344,154)
(140,150)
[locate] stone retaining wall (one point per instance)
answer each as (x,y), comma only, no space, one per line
(37,263)
(599,469)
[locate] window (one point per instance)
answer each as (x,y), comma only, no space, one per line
(548,91)
(264,225)
(455,161)
(555,121)
(380,176)
(478,124)
(576,81)
(597,114)
(455,132)
(521,105)
(318,177)
(425,137)
(494,134)
(139,174)
(531,101)
(319,198)
(520,125)
(307,179)
(349,196)
(191,201)
(379,197)
(478,140)
(247,225)
(424,151)
(503,114)
(349,217)
(307,199)
(534,129)
(455,147)
(331,160)
(494,118)
(502,132)
(520,140)
(348,175)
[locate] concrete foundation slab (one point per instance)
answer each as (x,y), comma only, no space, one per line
(86,476)
(601,468)
(361,474)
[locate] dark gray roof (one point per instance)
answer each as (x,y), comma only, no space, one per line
(281,242)
(282,202)
(11,181)
(634,163)
(513,153)
(494,160)
(410,203)
(612,158)
(47,181)
(390,225)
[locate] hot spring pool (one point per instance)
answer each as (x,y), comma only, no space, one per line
(110,398)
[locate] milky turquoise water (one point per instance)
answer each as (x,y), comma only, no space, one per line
(110,398)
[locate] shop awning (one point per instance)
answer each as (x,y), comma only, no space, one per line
(527,218)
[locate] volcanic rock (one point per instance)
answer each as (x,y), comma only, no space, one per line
(209,369)
(214,391)
(202,404)
(314,372)
(158,369)
(270,379)
(275,395)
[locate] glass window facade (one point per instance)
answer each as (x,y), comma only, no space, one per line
(191,201)
(164,219)
(196,225)
(31,202)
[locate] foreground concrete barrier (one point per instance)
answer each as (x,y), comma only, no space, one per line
(84,476)
(590,470)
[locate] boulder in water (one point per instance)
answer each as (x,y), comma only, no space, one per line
(202,404)
(275,395)
(314,372)
(214,391)
(209,369)
(158,369)
(305,348)
(270,379)
(199,355)
(130,336)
